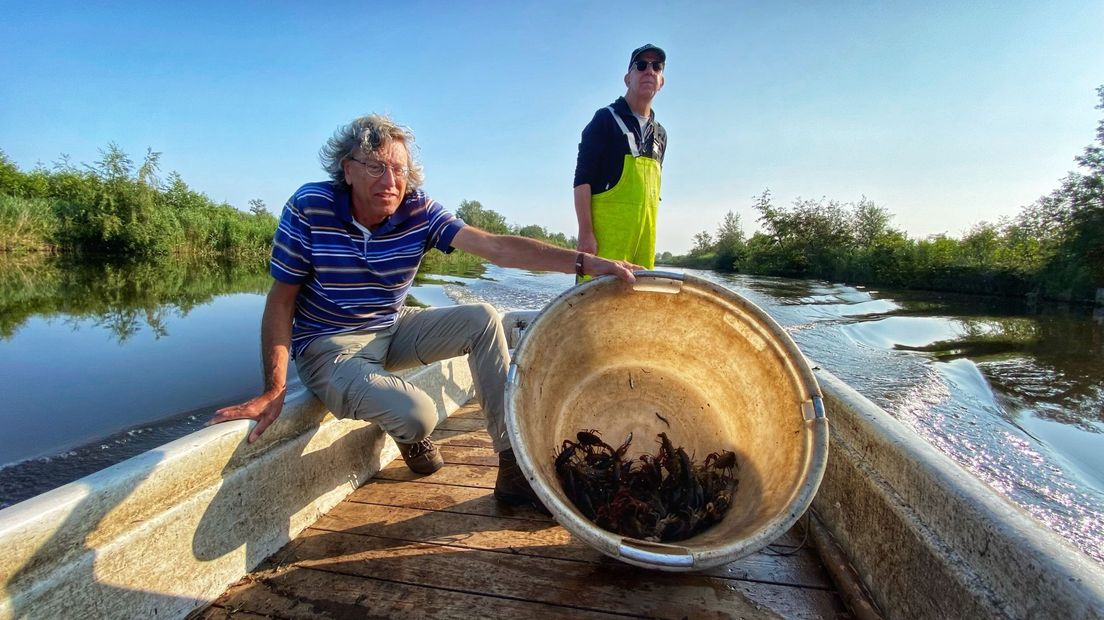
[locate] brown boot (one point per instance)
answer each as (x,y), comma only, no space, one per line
(511,487)
(422,457)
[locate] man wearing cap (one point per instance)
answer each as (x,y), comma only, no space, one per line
(617,173)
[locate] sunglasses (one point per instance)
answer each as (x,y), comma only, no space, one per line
(642,65)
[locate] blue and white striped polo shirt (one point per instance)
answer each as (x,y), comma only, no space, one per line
(351,283)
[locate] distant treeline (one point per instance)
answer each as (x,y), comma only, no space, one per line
(1053,248)
(113,207)
(474,213)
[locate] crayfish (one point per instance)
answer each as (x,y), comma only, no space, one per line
(660,497)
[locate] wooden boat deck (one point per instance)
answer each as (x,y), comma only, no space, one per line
(439,546)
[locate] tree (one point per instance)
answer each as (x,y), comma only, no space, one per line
(178,196)
(870,223)
(810,238)
(114,165)
(769,217)
(1070,224)
(147,173)
(979,246)
(10,177)
(703,243)
(533,231)
(729,244)
(122,215)
(730,232)
(473,213)
(257,207)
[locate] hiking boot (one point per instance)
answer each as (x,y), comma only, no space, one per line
(511,487)
(422,457)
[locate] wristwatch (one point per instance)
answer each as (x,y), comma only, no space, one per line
(579,264)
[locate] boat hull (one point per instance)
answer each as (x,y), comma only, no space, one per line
(165,532)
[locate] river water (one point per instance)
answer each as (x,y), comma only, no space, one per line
(101,364)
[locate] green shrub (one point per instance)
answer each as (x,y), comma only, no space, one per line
(26,224)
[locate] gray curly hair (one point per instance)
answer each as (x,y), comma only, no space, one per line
(368,134)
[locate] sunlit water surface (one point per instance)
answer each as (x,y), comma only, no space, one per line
(1014,394)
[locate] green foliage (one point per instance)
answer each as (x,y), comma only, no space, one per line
(35,184)
(121,216)
(25,223)
(179,197)
(115,208)
(854,242)
(871,224)
(473,214)
(703,244)
(539,233)
(730,250)
(10,177)
(809,238)
(1069,226)
(727,251)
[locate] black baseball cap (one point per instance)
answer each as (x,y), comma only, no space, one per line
(648,47)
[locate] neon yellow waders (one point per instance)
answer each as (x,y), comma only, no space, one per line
(624,217)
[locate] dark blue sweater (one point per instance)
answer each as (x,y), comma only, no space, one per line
(603,146)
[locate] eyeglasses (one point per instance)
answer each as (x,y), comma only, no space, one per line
(642,65)
(375,169)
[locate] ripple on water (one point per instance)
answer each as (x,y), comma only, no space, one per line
(959,413)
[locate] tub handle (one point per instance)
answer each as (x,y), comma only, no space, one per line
(813,409)
(655,554)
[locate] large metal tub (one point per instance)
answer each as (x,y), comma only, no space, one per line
(677,354)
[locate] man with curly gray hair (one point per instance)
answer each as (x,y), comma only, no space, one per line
(343,259)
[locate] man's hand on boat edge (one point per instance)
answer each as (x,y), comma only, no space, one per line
(264,409)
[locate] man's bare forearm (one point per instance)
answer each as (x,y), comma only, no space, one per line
(526,253)
(582,209)
(276,338)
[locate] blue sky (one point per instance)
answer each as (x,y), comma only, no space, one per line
(946,114)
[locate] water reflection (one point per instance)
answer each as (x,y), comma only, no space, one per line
(100,363)
(122,299)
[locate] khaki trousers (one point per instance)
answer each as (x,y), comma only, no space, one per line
(352,372)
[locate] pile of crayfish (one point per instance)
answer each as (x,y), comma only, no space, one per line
(658,498)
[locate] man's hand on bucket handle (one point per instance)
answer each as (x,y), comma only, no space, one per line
(598,266)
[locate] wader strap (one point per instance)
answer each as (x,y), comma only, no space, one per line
(633,148)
